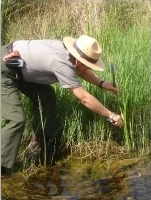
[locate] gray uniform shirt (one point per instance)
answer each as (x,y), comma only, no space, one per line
(47,62)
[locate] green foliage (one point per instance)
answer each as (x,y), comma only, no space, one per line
(122,28)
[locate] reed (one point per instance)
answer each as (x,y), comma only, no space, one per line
(123,30)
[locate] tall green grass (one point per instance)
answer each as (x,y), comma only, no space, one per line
(123,30)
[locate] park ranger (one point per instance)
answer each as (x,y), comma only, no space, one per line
(31,67)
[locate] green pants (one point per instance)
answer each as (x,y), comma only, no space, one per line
(14,115)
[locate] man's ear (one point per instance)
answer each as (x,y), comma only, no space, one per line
(77,62)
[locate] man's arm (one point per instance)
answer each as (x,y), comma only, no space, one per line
(94,105)
(92,78)
(90,101)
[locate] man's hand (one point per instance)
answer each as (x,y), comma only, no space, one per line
(116,120)
(11,55)
(109,87)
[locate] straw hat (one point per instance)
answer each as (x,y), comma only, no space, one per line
(85,49)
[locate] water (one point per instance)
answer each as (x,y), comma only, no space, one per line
(135,185)
(110,180)
(140,188)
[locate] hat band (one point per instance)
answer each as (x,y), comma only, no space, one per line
(83,55)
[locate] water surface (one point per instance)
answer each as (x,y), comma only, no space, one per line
(113,179)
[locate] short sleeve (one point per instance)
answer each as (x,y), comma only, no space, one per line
(67,76)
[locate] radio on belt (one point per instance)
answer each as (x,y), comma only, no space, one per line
(14,62)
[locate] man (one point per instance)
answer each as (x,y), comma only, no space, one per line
(30,67)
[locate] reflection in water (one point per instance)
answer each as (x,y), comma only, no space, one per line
(111,180)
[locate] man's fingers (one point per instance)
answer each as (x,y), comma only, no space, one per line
(117,121)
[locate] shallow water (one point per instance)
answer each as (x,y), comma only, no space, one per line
(113,179)
(131,181)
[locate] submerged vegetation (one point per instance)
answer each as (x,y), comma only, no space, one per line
(123,30)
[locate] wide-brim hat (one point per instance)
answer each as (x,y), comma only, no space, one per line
(87,50)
